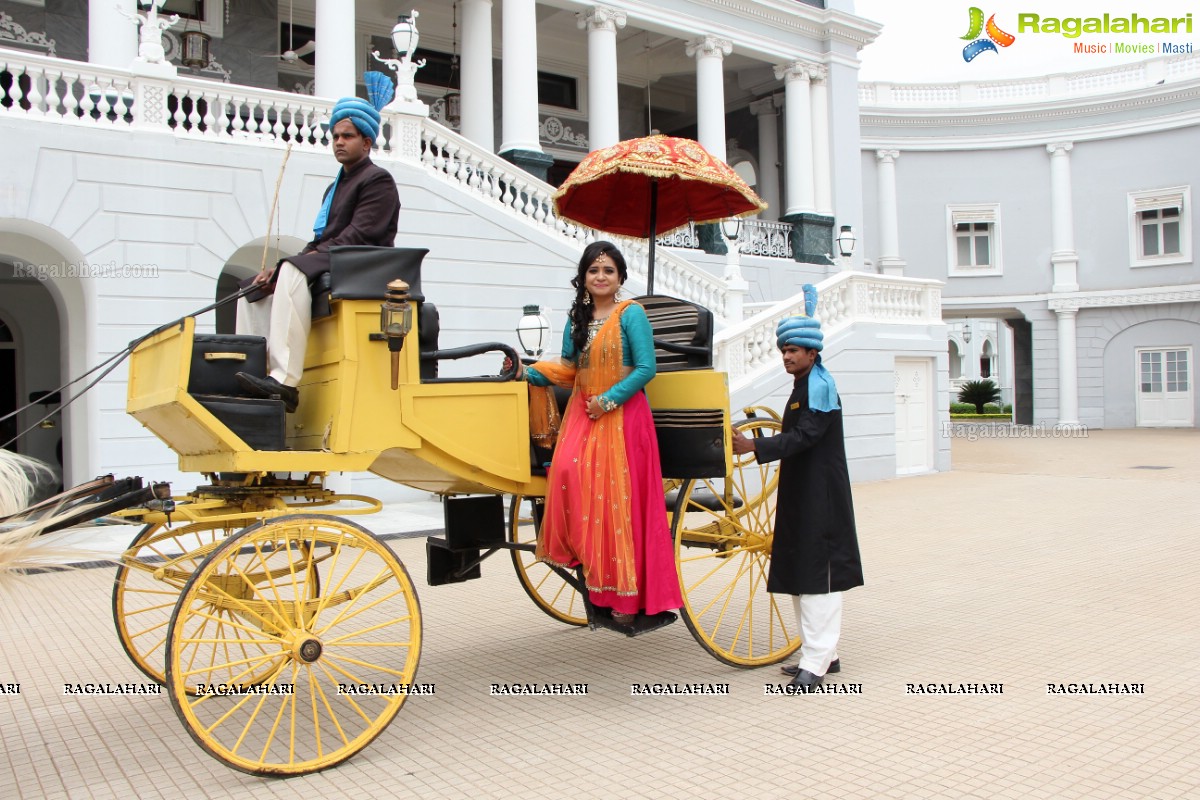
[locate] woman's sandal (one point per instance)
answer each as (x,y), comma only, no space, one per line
(621,618)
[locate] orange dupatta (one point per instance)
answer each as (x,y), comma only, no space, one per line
(599,535)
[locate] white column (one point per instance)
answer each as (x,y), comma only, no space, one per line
(822,160)
(477,108)
(335,70)
(798,154)
(1063,258)
(1068,368)
(112,37)
(602,23)
(519,106)
(890,262)
(767,114)
(710,52)
(736,285)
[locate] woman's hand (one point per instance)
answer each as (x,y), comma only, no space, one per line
(507,365)
(594,410)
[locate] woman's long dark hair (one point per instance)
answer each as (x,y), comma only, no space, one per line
(581,313)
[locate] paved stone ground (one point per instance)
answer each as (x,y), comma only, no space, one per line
(1036,561)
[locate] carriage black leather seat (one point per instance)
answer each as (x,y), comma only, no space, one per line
(358,272)
(429,325)
(683,332)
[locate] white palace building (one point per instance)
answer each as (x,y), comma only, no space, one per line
(1051,218)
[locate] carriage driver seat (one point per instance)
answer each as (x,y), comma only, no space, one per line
(358,272)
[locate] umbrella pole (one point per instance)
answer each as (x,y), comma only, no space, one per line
(653,234)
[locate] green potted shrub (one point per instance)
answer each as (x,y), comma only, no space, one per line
(979,394)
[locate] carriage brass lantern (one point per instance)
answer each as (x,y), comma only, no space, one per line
(395,320)
(533,331)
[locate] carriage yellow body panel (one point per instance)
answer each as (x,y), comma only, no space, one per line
(448,438)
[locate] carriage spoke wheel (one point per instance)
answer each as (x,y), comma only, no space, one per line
(545,587)
(326,612)
(723,531)
(151,573)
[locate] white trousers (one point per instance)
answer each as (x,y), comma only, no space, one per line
(285,319)
(820,617)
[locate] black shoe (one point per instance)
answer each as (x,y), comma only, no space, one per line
(805,681)
(270,388)
(835,666)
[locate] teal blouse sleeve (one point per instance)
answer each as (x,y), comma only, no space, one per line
(637,344)
(568,353)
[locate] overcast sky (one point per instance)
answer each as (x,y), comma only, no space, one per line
(921,40)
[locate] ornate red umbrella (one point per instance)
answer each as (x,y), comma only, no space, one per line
(650,186)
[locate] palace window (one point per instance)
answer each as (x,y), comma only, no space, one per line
(974,239)
(1160,232)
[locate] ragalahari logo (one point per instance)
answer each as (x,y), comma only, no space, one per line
(994,37)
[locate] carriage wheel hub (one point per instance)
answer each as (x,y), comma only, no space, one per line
(307,649)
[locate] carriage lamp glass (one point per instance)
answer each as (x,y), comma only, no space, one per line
(846,241)
(966,332)
(395,315)
(395,321)
(533,331)
(732,228)
(405,35)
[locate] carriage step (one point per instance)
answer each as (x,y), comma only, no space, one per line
(474,522)
(449,566)
(642,623)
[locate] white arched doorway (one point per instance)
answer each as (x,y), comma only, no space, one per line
(52,314)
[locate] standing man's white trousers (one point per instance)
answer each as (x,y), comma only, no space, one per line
(285,319)
(820,617)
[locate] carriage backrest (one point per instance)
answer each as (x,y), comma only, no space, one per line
(359,272)
(683,332)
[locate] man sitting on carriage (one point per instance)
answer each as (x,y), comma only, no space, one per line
(361,207)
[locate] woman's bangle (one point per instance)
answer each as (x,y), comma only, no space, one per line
(605,403)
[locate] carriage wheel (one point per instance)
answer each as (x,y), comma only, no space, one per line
(142,602)
(545,587)
(340,654)
(723,531)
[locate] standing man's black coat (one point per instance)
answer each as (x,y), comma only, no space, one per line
(815,550)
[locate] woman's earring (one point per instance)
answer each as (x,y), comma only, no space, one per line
(587,298)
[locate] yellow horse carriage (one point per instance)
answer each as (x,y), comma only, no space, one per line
(287,636)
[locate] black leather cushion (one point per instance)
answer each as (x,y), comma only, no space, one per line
(358,272)
(216,358)
(683,332)
(260,423)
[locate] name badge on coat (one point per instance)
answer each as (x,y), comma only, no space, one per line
(794,407)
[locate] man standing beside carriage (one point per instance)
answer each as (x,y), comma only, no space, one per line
(815,551)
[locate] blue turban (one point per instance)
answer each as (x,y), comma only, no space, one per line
(801,332)
(361,113)
(806,332)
